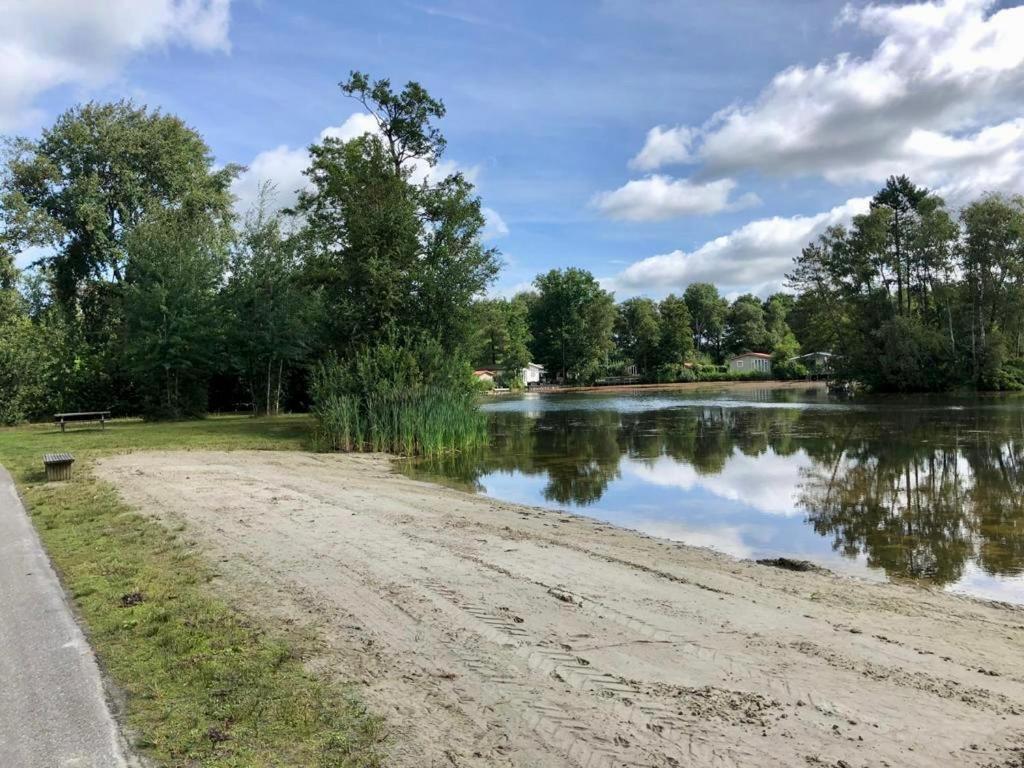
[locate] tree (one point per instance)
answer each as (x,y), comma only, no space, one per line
(173,332)
(745,329)
(707,314)
(268,313)
(93,177)
(502,334)
(675,346)
(901,197)
(396,257)
(638,331)
(777,309)
(571,322)
(992,262)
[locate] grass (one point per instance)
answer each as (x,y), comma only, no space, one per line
(424,422)
(205,684)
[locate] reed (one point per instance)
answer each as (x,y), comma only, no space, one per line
(410,420)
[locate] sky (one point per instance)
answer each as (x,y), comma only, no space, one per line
(653,142)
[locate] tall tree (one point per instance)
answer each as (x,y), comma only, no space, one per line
(707,314)
(745,328)
(571,321)
(93,177)
(675,345)
(502,333)
(397,256)
(901,198)
(268,312)
(173,332)
(992,262)
(638,331)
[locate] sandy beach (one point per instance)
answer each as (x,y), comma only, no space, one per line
(492,634)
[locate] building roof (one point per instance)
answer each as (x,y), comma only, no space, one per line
(488,371)
(764,355)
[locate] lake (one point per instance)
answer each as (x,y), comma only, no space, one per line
(922,489)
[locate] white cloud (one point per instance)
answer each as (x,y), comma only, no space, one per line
(495,227)
(664,146)
(941,78)
(753,257)
(659,197)
(48,43)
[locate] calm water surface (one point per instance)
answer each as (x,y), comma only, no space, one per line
(923,489)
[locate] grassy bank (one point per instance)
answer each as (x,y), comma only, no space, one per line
(204,683)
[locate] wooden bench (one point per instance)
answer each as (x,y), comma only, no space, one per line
(58,466)
(64,418)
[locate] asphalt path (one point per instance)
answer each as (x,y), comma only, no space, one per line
(53,709)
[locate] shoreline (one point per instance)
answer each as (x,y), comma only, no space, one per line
(494,634)
(683,386)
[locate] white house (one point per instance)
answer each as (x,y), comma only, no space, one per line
(759,362)
(532,374)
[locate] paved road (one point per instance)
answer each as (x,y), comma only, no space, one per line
(53,713)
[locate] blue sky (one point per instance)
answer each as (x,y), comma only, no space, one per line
(653,142)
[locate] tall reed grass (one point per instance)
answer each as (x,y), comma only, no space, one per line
(366,406)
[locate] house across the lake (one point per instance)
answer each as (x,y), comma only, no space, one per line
(487,375)
(532,374)
(760,362)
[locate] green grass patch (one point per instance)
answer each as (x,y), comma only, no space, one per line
(205,683)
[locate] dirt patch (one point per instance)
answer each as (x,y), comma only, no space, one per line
(490,634)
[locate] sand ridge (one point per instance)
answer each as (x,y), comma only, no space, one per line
(493,634)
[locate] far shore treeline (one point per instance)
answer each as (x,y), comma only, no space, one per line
(365,302)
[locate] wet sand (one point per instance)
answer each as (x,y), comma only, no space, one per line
(493,634)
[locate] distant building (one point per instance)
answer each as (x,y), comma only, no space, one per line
(487,375)
(760,362)
(532,374)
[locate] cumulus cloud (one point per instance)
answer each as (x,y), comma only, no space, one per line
(495,227)
(753,257)
(659,197)
(943,77)
(664,146)
(283,169)
(49,43)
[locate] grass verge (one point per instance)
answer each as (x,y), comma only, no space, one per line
(204,683)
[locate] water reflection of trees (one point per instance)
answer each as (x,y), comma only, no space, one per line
(917,491)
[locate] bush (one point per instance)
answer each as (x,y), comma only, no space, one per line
(391,398)
(674,373)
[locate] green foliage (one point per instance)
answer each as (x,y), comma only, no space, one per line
(638,331)
(707,314)
(173,333)
(571,321)
(395,254)
(393,398)
(502,334)
(269,314)
(675,346)
(783,364)
(745,329)
(94,176)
